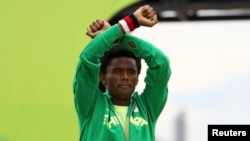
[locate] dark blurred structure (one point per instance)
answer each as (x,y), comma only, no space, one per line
(192,10)
(180,127)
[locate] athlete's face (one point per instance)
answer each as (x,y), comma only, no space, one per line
(121,79)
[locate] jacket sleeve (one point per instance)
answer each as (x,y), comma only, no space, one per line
(86,80)
(157,75)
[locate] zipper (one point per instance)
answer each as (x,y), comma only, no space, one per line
(120,126)
(130,112)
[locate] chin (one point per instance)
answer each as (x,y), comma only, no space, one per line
(124,96)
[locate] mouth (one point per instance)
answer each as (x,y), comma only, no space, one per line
(124,85)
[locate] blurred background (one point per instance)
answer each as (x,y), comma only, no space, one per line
(40,41)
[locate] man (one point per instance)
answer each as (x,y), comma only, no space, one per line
(112,57)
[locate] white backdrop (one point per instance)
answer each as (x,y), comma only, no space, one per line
(210,82)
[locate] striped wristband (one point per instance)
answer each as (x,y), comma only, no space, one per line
(129,23)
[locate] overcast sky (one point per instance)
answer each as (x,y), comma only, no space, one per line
(210,80)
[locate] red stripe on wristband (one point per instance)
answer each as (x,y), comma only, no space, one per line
(130,23)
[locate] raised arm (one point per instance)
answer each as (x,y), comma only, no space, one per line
(157,75)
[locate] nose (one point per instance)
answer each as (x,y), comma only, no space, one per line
(125,75)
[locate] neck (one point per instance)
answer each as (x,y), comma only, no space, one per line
(120,102)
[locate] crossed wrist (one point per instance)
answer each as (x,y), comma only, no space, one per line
(129,23)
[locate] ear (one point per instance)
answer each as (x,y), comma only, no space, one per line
(102,78)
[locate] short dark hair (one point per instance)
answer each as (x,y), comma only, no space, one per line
(116,51)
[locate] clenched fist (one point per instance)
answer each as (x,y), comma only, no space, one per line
(96,27)
(146,16)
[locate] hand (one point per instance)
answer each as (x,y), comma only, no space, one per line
(146,16)
(97,27)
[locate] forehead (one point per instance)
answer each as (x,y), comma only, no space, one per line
(123,62)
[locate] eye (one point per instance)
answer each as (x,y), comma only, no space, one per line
(117,71)
(131,71)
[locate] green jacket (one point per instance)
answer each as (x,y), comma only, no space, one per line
(97,119)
